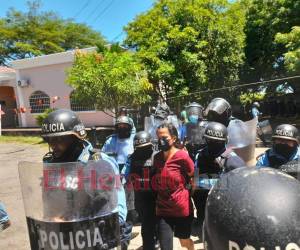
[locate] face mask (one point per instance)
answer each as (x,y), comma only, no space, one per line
(123,133)
(193,119)
(163,144)
(216,149)
(285,150)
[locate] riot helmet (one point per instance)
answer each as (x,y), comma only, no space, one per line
(286,131)
(162,111)
(285,140)
(253,209)
(63,122)
(219,110)
(143,147)
(216,135)
(256,104)
(122,111)
(194,112)
(123,127)
(142,139)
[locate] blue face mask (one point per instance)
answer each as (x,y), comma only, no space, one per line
(193,119)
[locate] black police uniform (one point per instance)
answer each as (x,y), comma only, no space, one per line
(140,172)
(211,167)
(211,164)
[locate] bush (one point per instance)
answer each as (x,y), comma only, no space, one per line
(40,118)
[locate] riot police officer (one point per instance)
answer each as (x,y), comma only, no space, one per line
(65,134)
(211,162)
(139,172)
(124,112)
(285,147)
(253,209)
(120,144)
(255,110)
(219,110)
(191,133)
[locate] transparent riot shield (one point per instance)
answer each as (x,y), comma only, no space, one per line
(151,123)
(292,168)
(242,139)
(70,205)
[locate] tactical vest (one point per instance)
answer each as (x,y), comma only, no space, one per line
(141,173)
(208,164)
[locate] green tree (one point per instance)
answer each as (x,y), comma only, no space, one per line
(292,44)
(264,19)
(109,78)
(36,33)
(189,45)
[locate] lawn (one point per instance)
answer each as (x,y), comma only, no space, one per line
(21,139)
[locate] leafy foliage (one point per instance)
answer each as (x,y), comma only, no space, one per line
(264,19)
(41,117)
(292,43)
(109,79)
(36,33)
(189,45)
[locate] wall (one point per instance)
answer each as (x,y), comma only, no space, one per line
(52,80)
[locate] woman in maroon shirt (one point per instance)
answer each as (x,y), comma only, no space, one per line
(174,208)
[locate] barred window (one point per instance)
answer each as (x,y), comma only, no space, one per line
(39,102)
(76,106)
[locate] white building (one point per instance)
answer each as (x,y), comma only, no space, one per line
(35,84)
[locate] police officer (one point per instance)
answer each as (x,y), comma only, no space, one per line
(253,209)
(211,162)
(285,147)
(120,144)
(139,172)
(124,112)
(191,133)
(255,110)
(219,110)
(65,134)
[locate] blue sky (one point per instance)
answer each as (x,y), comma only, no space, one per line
(106,16)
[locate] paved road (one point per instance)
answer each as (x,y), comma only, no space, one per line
(15,237)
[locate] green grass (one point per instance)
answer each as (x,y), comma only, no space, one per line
(21,139)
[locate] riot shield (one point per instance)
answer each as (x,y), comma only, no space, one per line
(194,139)
(242,139)
(292,168)
(70,205)
(265,132)
(151,123)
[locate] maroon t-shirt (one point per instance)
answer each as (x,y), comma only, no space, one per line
(173,198)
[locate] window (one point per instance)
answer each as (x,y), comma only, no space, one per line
(76,106)
(39,102)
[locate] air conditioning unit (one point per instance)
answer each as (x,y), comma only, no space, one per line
(23,83)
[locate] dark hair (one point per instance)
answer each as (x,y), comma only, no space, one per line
(172,130)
